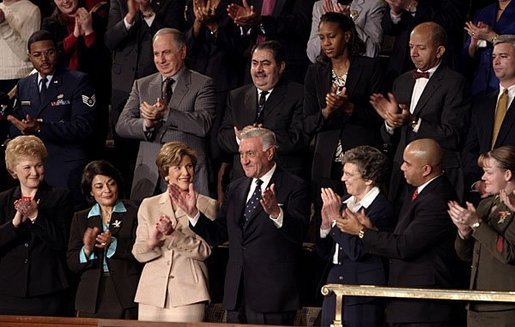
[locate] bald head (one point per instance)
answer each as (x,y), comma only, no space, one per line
(433,32)
(422,161)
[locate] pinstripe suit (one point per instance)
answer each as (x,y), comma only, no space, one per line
(192,110)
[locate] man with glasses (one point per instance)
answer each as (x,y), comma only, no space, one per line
(59,107)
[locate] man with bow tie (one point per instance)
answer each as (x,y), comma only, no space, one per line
(264,217)
(421,247)
(428,102)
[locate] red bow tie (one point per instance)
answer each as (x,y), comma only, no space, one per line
(417,74)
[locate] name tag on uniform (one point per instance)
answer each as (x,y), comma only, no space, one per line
(25,103)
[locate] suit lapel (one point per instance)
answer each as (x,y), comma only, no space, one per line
(181,89)
(154,88)
(241,191)
(250,105)
(274,100)
(506,125)
(353,78)
(433,85)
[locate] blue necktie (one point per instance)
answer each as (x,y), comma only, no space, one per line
(252,204)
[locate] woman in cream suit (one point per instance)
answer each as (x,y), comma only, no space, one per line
(173,285)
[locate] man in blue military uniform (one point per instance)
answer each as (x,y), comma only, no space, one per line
(58,106)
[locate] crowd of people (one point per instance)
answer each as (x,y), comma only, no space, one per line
(150,132)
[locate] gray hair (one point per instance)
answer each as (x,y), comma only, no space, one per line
(505,38)
(267,136)
(178,36)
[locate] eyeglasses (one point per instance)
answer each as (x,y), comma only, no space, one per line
(42,54)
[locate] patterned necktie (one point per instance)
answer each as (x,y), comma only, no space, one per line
(414,195)
(261,107)
(500,112)
(166,91)
(252,204)
(43,88)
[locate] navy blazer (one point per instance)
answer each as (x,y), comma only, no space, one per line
(124,269)
(67,115)
(266,257)
(421,253)
(32,255)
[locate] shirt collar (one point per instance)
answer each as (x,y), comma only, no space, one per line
(266,177)
(95,210)
(432,70)
(176,76)
(511,91)
(423,186)
(353,203)
(48,78)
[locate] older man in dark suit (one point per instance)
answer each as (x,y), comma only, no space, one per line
(263,217)
(272,102)
(184,112)
(429,102)
(421,248)
(58,106)
(493,115)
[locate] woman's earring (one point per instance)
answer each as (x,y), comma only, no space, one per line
(167,178)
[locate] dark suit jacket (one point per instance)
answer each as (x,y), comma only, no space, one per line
(491,250)
(444,110)
(355,266)
(32,256)
(123,267)
(132,49)
(479,138)
(68,114)
(421,253)
(450,14)
(360,128)
(263,257)
(282,115)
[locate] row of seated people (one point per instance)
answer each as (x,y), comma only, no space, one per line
(216,39)
(147,262)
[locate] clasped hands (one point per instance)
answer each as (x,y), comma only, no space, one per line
(25,209)
(395,114)
(93,239)
(337,100)
(152,113)
(28,125)
(83,23)
(328,6)
(243,15)
(133,6)
(346,221)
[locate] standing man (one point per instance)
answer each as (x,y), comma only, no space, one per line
(493,115)
(428,102)
(263,217)
(176,104)
(272,102)
(421,248)
(58,106)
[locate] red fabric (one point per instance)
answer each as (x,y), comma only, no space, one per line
(500,243)
(417,74)
(414,195)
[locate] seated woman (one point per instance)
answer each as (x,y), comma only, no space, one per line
(99,249)
(33,234)
(174,282)
(486,236)
(365,171)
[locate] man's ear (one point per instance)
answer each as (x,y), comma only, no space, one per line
(440,52)
(282,66)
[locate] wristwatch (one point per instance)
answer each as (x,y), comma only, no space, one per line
(475,225)
(362,231)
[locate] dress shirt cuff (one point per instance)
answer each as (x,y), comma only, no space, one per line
(482,44)
(127,25)
(89,39)
(324,232)
(278,222)
(83,258)
(389,129)
(194,220)
(112,247)
(416,126)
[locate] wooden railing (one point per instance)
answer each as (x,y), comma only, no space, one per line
(341,290)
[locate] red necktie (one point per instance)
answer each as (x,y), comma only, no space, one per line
(414,195)
(417,74)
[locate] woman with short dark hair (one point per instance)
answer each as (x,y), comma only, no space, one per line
(100,245)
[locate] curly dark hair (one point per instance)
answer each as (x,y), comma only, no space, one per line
(372,164)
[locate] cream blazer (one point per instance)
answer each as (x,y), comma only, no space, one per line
(175,268)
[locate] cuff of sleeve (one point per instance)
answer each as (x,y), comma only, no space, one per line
(83,258)
(194,220)
(127,25)
(89,39)
(324,232)
(415,125)
(112,247)
(389,129)
(278,222)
